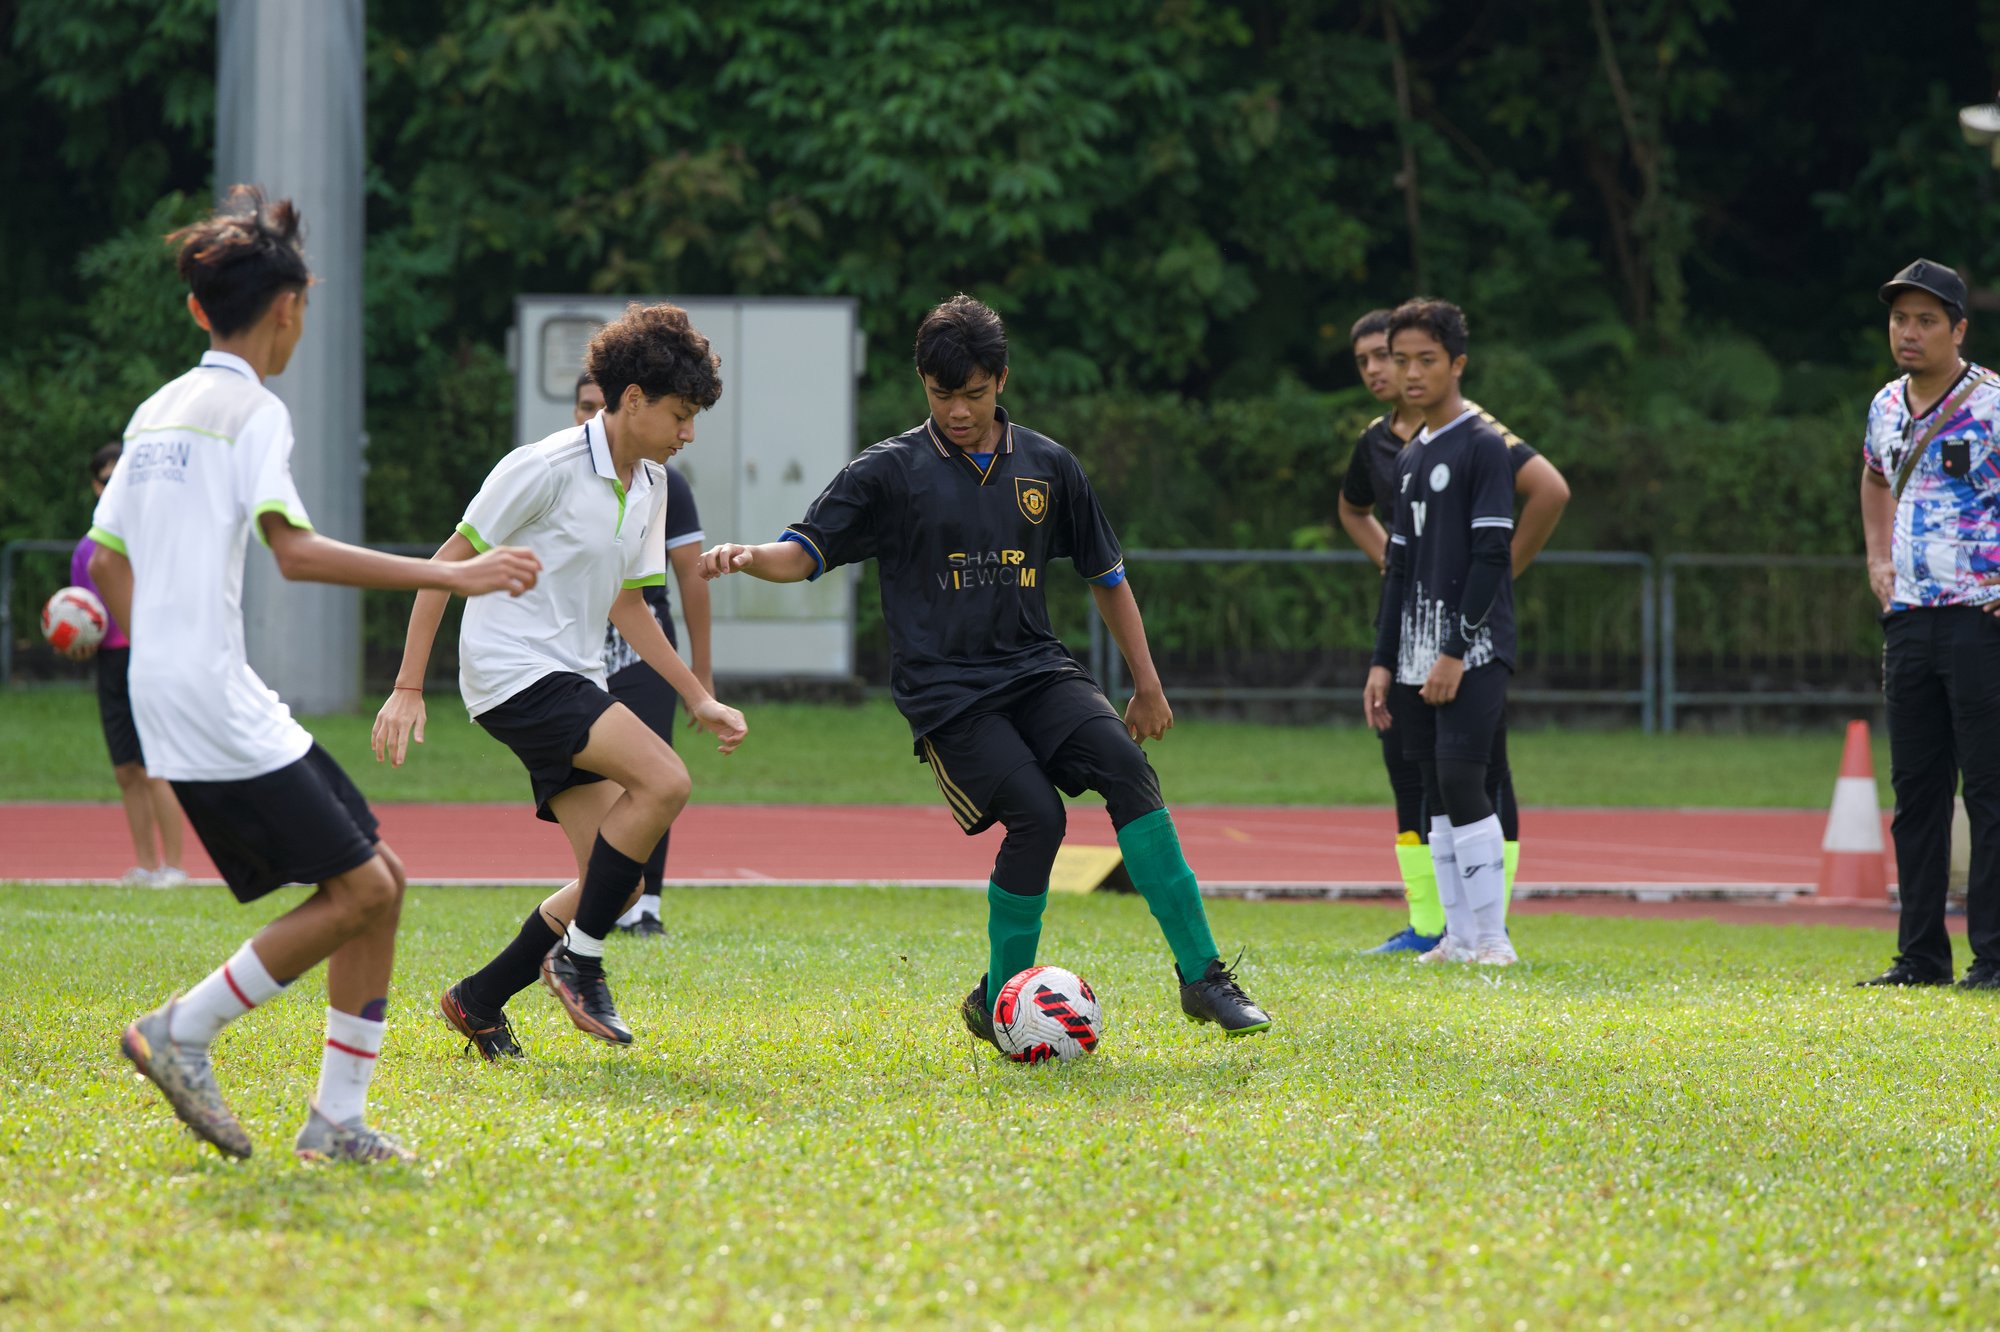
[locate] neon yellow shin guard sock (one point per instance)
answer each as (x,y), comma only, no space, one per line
(1013,929)
(1160,872)
(1513,863)
(1420,885)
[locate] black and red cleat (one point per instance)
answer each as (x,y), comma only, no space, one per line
(579,984)
(492,1036)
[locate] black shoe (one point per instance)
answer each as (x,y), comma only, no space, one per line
(1217,998)
(492,1036)
(1981,975)
(578,982)
(978,1017)
(649,927)
(1907,973)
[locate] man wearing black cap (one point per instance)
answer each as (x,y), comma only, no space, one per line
(1930,506)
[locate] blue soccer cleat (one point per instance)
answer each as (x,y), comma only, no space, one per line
(1406,940)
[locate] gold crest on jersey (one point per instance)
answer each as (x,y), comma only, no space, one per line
(1033,497)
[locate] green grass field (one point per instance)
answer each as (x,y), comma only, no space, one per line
(1647,1124)
(50,749)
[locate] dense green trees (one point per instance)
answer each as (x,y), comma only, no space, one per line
(1666,218)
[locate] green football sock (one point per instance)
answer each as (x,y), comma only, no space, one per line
(1160,872)
(1513,863)
(1420,885)
(1013,928)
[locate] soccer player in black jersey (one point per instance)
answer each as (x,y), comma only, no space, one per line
(1446,634)
(1369,490)
(963,515)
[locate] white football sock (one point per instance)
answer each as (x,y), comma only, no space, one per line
(346,1064)
(1482,867)
(582,944)
(1458,921)
(647,905)
(231,990)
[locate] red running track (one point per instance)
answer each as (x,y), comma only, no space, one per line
(1700,852)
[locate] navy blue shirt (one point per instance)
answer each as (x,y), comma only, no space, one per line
(962,552)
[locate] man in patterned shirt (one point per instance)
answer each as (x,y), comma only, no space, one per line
(1930,508)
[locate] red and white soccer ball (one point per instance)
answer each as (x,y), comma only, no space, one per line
(1046,1013)
(74,617)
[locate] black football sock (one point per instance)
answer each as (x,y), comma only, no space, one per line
(514,969)
(608,882)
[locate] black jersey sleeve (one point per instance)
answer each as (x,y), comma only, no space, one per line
(1488,543)
(1084,534)
(1358,487)
(844,525)
(682,519)
(1389,622)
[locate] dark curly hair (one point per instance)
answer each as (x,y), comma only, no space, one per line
(1375,321)
(958,337)
(1441,319)
(237,259)
(655,347)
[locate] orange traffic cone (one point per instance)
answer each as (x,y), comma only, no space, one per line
(1851,864)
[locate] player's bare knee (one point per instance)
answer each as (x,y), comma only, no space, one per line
(664,792)
(368,894)
(130,776)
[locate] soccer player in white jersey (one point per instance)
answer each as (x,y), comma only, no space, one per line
(533,674)
(207,460)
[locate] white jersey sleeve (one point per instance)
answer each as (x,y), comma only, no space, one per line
(646,564)
(519,491)
(263,452)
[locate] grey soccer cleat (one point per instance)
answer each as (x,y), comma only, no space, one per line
(186,1078)
(353,1142)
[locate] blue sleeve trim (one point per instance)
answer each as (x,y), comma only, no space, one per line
(819,561)
(1112,579)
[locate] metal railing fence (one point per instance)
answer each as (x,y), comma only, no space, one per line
(1599,628)
(1212,638)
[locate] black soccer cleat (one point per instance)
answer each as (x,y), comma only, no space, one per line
(1981,975)
(649,927)
(1906,973)
(493,1037)
(579,984)
(1217,998)
(978,1017)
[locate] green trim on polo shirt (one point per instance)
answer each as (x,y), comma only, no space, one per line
(290,515)
(191,429)
(471,533)
(618,488)
(109,540)
(650,580)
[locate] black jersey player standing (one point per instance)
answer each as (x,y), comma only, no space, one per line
(1370,485)
(1447,626)
(964,515)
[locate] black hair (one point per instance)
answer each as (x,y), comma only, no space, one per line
(237,259)
(958,337)
(1375,321)
(585,378)
(1441,319)
(107,456)
(655,347)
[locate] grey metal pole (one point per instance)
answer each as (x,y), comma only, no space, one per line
(289,111)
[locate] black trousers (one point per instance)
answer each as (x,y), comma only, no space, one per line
(1941,677)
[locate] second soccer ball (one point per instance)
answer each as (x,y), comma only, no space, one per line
(1046,1013)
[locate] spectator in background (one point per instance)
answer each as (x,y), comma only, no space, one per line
(1930,510)
(150,807)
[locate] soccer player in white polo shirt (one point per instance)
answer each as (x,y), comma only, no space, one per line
(533,675)
(207,460)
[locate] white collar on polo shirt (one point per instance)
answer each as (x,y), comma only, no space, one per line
(222,360)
